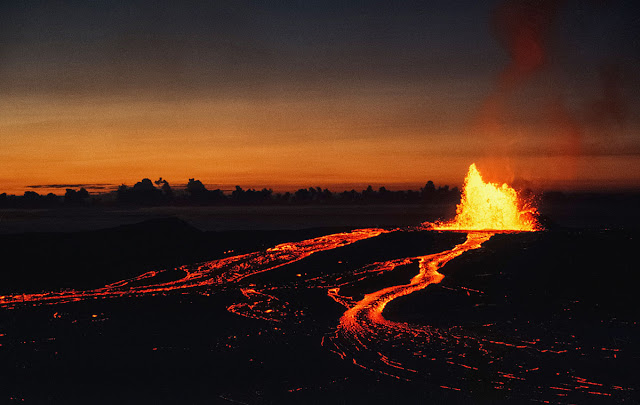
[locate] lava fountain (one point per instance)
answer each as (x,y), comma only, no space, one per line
(489,207)
(484,210)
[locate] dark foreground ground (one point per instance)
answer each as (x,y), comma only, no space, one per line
(556,310)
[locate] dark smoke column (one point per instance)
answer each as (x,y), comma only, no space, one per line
(523,28)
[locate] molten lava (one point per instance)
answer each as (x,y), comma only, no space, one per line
(489,207)
(215,273)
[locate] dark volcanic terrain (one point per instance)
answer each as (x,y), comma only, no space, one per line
(532,317)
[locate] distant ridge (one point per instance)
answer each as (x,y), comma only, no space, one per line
(166,225)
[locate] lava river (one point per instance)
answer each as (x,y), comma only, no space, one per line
(363,322)
(204,276)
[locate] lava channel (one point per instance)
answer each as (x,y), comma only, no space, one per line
(215,273)
(364,323)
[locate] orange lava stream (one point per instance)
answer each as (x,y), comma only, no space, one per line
(213,273)
(369,340)
(364,322)
(373,304)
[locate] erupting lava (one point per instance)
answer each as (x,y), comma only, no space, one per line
(489,207)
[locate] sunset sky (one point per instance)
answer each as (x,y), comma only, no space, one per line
(326,93)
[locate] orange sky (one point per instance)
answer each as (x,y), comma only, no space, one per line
(314,141)
(326,95)
(379,137)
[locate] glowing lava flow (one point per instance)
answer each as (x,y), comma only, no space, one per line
(213,273)
(364,323)
(370,308)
